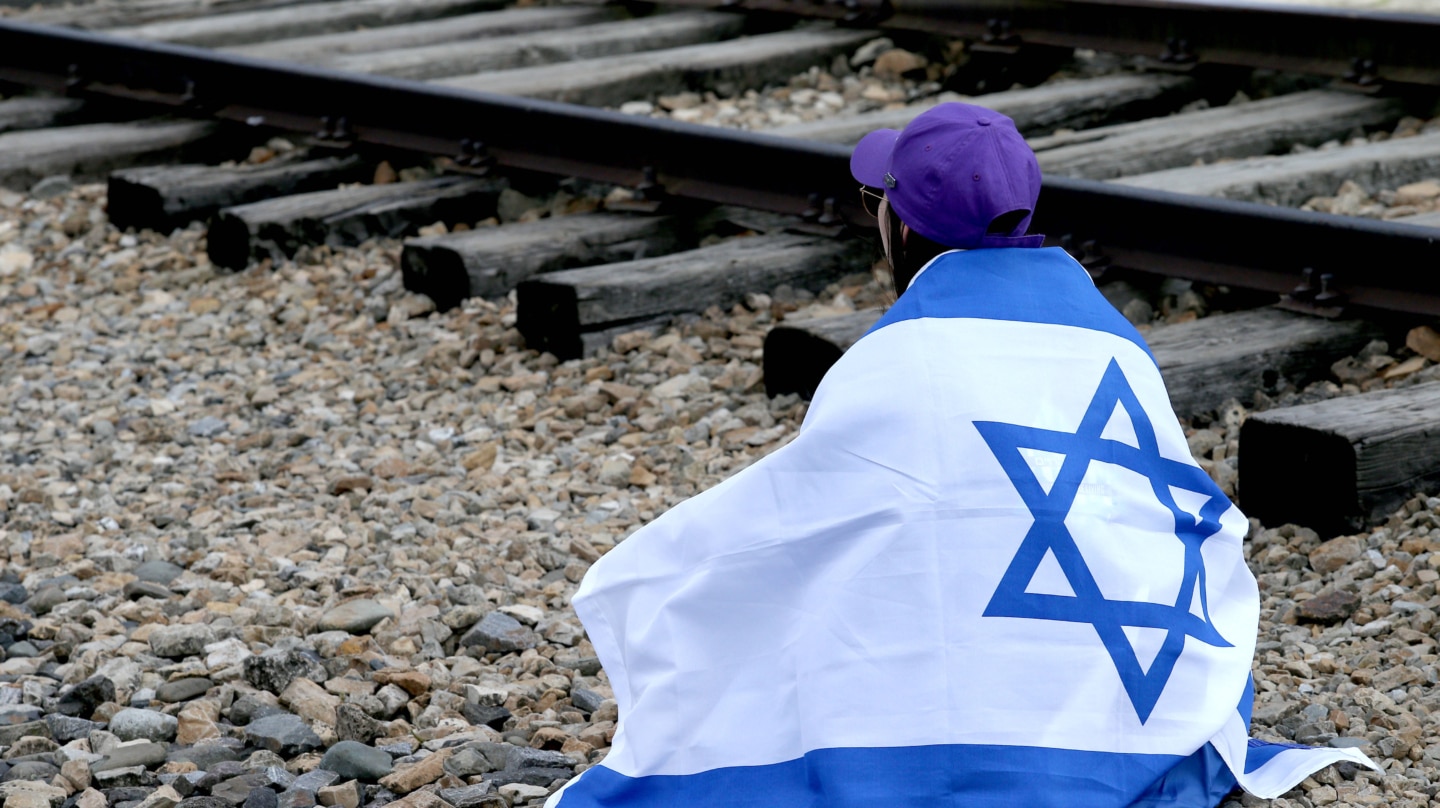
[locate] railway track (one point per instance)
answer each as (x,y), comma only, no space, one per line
(492,475)
(350,113)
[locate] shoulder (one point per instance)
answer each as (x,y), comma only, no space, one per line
(1033,285)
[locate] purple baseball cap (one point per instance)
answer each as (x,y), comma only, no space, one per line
(953,171)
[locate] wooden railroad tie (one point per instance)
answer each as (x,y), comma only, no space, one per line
(489,262)
(1236,130)
(1208,361)
(165,197)
(573,312)
(1205,362)
(1341,464)
(1036,110)
(327,48)
(1293,179)
(613,80)
(547,47)
(245,27)
(100,16)
(276,228)
(36,112)
(90,151)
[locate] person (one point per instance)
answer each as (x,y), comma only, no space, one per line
(986,199)
(986,572)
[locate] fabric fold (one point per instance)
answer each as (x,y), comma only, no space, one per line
(986,573)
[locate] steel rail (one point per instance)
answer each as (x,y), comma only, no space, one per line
(1366,48)
(1371,263)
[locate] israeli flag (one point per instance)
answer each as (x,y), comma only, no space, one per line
(987,572)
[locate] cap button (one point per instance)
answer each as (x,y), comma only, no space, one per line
(982,121)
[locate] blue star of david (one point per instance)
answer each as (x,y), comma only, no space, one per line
(1049,534)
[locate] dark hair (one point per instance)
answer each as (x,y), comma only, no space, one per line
(908,254)
(912,252)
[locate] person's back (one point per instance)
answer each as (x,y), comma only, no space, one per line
(986,573)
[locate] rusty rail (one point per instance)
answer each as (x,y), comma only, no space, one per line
(1364,262)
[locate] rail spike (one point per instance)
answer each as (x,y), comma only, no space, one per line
(334,130)
(1363,75)
(648,196)
(474,157)
(74,78)
(1316,294)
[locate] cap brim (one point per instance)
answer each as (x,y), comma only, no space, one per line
(871,158)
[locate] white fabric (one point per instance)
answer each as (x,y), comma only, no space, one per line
(859,560)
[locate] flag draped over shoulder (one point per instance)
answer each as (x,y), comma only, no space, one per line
(986,572)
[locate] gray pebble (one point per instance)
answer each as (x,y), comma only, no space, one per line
(296,798)
(23,649)
(158,572)
(283,734)
(135,724)
(66,728)
(208,427)
(261,797)
(175,642)
(183,689)
(10,733)
(135,590)
(352,760)
(206,757)
(19,713)
(499,632)
(316,779)
(30,770)
(130,776)
(356,616)
(139,754)
(586,700)
(468,762)
(52,186)
(203,801)
(235,790)
(46,599)
(473,796)
(275,670)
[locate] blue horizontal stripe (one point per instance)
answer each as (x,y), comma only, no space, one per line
(1022,285)
(1259,752)
(952,776)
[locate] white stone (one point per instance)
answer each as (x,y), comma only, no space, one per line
(686,384)
(529,615)
(523,791)
(486,696)
(14,260)
(226,653)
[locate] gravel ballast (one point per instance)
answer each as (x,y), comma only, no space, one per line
(252,522)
